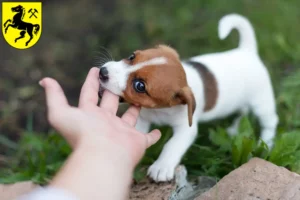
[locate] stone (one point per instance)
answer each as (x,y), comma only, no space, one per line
(256,180)
(147,190)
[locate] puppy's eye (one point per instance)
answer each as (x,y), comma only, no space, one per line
(131,57)
(139,86)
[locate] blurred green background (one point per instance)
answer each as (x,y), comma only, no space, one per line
(74,32)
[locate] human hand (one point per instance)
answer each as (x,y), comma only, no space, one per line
(92,126)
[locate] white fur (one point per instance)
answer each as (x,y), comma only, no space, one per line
(243,85)
(247,35)
(118,75)
(153,61)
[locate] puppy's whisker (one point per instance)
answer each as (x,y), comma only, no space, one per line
(107,53)
(104,50)
(101,54)
(102,57)
(100,61)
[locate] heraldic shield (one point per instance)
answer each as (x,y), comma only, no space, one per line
(22,23)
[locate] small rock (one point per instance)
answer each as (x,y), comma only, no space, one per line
(148,190)
(257,179)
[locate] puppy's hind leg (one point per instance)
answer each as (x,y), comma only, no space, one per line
(265,111)
(234,128)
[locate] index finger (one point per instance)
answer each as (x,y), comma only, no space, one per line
(110,102)
(90,88)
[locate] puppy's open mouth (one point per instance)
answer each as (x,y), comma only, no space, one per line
(101,91)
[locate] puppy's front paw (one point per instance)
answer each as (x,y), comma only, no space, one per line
(161,171)
(232,131)
(269,143)
(268,138)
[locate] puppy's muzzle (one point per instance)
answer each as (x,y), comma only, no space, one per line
(103,74)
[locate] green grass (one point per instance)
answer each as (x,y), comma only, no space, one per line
(35,157)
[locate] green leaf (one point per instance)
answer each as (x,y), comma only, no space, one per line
(236,155)
(245,128)
(139,173)
(220,138)
(285,145)
(246,150)
(261,151)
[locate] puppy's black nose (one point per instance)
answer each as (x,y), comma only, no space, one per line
(103,74)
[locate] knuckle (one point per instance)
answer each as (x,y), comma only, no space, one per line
(53,117)
(130,116)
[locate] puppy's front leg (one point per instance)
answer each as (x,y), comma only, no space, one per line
(163,168)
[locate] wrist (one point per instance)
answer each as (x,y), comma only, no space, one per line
(106,149)
(103,166)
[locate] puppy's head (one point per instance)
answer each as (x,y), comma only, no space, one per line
(151,78)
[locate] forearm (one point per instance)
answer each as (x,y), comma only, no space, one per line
(95,168)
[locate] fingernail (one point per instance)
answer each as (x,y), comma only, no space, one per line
(158,131)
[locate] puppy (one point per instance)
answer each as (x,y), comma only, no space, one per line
(203,88)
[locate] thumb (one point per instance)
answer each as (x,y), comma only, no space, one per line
(152,137)
(55,97)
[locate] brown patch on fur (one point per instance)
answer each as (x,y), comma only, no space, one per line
(209,83)
(159,51)
(166,84)
(186,95)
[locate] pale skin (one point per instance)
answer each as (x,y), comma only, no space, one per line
(106,148)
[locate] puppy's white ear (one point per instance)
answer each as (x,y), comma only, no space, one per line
(187,97)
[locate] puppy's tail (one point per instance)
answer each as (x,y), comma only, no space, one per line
(244,27)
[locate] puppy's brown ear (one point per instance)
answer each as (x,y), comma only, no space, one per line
(168,49)
(187,97)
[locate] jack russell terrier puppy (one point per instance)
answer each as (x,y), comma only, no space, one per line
(183,93)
